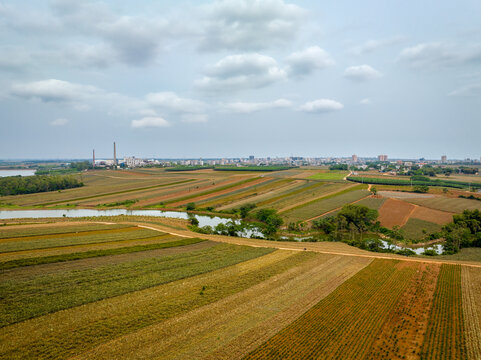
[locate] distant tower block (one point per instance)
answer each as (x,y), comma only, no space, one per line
(115,155)
(382,158)
(354,158)
(93,158)
(444,159)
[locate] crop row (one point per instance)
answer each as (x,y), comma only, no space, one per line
(344,324)
(129,233)
(471,285)
(403,332)
(445,331)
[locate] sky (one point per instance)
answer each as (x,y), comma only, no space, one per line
(203,79)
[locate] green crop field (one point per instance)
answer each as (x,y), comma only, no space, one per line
(319,207)
(416,229)
(329,175)
(123,287)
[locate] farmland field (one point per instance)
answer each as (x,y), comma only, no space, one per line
(210,298)
(318,207)
(329,175)
(448,204)
(148,287)
(395,213)
(415,229)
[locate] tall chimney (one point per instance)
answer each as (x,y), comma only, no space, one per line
(115,156)
(93,158)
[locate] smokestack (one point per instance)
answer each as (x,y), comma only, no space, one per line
(115,155)
(93,158)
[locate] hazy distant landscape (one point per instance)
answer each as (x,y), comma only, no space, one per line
(240,179)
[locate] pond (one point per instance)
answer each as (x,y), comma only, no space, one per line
(419,251)
(5,173)
(74,213)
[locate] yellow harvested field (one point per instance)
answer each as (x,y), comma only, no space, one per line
(208,330)
(432,215)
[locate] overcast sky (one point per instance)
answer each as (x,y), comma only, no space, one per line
(238,78)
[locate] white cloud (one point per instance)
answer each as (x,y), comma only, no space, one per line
(469,90)
(361,73)
(250,107)
(132,40)
(87,55)
(244,71)
(440,54)
(54,90)
(365,101)
(250,24)
(372,45)
(149,122)
(321,105)
(171,101)
(428,53)
(59,122)
(306,61)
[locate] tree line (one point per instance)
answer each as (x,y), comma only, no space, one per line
(16,185)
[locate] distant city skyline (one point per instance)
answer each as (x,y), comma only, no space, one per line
(183,79)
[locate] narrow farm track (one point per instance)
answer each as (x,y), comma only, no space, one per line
(333,248)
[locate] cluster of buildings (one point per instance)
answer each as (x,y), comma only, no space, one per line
(133,162)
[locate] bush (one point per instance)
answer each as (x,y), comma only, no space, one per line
(190,206)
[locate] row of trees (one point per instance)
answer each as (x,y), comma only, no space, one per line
(436,182)
(15,185)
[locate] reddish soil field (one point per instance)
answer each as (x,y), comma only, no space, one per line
(431,215)
(395,212)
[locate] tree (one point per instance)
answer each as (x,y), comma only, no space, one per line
(190,206)
(374,190)
(245,209)
(421,188)
(272,221)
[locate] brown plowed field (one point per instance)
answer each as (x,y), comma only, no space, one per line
(395,212)
(431,215)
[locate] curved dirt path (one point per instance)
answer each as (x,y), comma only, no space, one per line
(333,248)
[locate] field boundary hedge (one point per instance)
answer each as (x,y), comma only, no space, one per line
(444,183)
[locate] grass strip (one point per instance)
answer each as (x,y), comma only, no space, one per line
(69,234)
(221,188)
(301,189)
(40,295)
(54,229)
(94,253)
(126,234)
(115,193)
(342,192)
